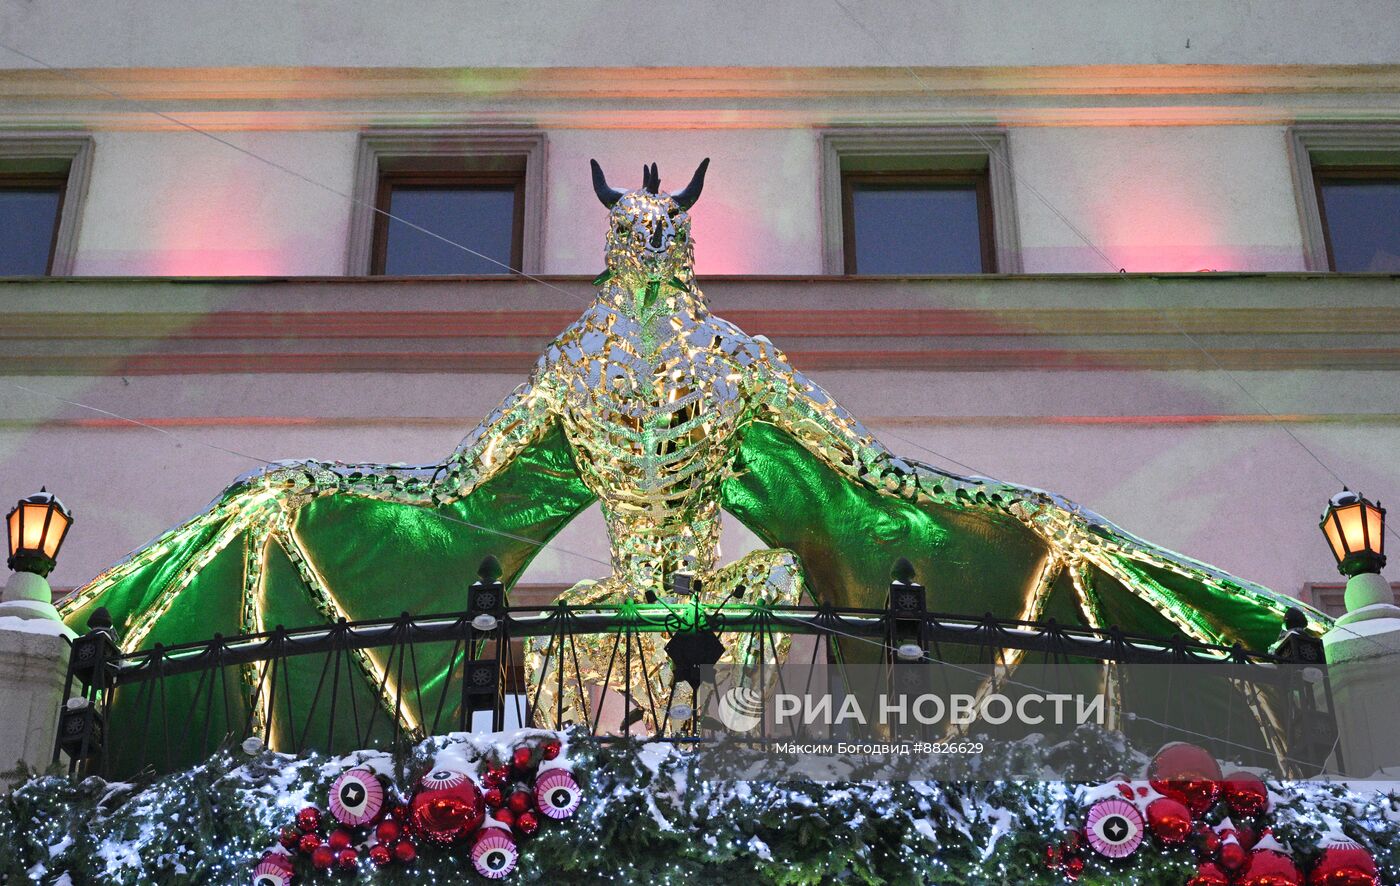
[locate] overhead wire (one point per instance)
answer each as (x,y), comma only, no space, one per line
(179,438)
(281,167)
(996,156)
(1021,181)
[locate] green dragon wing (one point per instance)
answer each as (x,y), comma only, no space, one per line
(260,557)
(983,546)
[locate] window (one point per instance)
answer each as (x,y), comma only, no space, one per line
(918,201)
(43,179)
(916,223)
(30,206)
(483,211)
(483,190)
(1348,185)
(1359,207)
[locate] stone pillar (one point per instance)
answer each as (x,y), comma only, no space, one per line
(34,646)
(1363,661)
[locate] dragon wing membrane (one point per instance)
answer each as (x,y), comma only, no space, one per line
(813,479)
(982,546)
(260,557)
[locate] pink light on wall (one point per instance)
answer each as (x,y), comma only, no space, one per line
(1157,199)
(223,229)
(181,204)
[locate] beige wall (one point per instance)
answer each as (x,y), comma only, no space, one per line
(1169,198)
(721,32)
(1157,130)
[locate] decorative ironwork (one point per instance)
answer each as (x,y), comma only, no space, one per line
(122,720)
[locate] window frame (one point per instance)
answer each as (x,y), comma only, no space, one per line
(986,231)
(54,155)
(445,180)
(934,149)
(1315,150)
(438,150)
(18,181)
(1337,173)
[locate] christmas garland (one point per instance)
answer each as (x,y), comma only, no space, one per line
(638,813)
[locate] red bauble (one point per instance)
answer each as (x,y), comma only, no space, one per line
(309,819)
(405,851)
(1246,835)
(308,843)
(1209,874)
(1245,794)
(444,815)
(495,776)
(289,837)
(552,748)
(1074,867)
(504,816)
(347,860)
(494,798)
(380,856)
(1344,863)
(323,858)
(1233,856)
(521,801)
(1186,773)
(1169,820)
(387,831)
(1207,841)
(1073,840)
(527,823)
(1054,857)
(1270,868)
(521,757)
(339,839)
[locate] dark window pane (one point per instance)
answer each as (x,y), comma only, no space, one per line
(479,217)
(27,220)
(1363,223)
(916,229)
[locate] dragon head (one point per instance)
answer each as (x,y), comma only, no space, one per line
(649,245)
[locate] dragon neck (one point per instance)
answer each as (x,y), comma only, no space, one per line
(649,300)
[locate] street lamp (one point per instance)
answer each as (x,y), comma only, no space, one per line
(1355,531)
(37,526)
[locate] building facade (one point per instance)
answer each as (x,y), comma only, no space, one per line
(1087,249)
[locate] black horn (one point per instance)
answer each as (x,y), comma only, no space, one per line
(651,179)
(686,198)
(606,195)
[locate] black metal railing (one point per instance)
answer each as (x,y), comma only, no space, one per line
(390,682)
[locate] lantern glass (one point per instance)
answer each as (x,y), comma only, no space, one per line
(14,530)
(1355,530)
(36,529)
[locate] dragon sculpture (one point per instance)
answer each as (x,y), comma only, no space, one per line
(667,415)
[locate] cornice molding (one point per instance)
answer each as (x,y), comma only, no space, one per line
(102,327)
(720,98)
(349,84)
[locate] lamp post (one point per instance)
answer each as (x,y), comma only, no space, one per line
(1355,531)
(36,526)
(1363,647)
